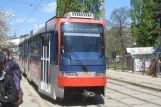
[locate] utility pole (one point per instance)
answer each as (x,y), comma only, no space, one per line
(158,13)
(104,19)
(103,10)
(104,15)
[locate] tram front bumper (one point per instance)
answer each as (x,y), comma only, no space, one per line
(81,81)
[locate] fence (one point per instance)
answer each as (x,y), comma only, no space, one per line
(117,63)
(136,65)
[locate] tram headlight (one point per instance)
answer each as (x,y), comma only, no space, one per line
(69,74)
(100,74)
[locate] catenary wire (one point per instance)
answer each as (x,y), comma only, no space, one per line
(30,4)
(29,14)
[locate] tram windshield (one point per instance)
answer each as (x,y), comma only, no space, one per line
(85,40)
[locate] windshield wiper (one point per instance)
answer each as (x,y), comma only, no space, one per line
(81,63)
(77,58)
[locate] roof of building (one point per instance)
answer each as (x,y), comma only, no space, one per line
(140,50)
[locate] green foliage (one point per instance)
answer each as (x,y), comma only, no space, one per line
(60,7)
(157,4)
(144,26)
(119,36)
(77,6)
(119,19)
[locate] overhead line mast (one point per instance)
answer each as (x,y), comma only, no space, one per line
(103,10)
(104,18)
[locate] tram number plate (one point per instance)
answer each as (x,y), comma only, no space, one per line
(85,74)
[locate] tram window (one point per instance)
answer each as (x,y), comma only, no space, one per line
(46,40)
(37,38)
(54,50)
(34,48)
(25,49)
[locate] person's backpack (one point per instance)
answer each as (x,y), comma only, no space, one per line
(14,71)
(17,78)
(16,74)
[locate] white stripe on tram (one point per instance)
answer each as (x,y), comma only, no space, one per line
(81,34)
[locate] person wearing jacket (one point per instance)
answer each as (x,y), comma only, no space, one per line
(14,71)
(10,61)
(11,65)
(8,92)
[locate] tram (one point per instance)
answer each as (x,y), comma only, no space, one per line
(66,56)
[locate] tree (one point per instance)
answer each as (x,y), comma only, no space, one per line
(144,27)
(157,4)
(119,36)
(4,26)
(119,20)
(60,7)
(92,6)
(157,13)
(113,42)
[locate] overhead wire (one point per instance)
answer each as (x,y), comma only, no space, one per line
(30,4)
(29,14)
(22,2)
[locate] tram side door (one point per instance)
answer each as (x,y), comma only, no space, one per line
(45,64)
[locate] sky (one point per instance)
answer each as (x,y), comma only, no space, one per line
(26,16)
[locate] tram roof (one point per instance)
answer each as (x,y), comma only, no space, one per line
(50,27)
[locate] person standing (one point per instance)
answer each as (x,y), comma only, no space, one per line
(9,59)
(8,91)
(10,63)
(13,70)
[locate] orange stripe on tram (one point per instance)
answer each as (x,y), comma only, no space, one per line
(81,81)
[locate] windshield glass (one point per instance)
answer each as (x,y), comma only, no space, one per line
(82,42)
(83,39)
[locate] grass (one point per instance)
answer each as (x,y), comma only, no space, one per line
(117,65)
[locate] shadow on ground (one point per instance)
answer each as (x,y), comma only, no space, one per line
(76,100)
(73,100)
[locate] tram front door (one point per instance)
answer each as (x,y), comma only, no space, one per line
(45,64)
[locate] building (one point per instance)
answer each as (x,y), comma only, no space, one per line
(139,58)
(13,45)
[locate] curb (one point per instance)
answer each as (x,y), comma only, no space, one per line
(134,83)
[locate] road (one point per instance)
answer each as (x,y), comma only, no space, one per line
(118,94)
